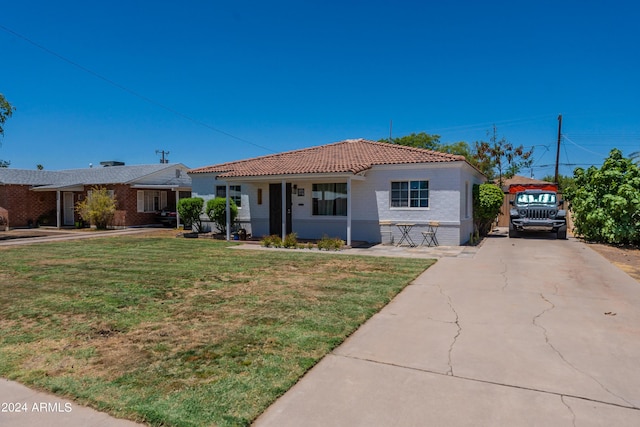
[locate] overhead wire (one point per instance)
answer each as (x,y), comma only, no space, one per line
(564,136)
(132,92)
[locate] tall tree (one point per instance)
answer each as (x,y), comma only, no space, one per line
(6,111)
(499,159)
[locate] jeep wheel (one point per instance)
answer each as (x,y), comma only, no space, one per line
(562,232)
(512,231)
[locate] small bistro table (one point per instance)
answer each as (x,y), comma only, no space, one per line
(405,228)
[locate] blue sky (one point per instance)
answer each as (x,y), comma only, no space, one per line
(214,81)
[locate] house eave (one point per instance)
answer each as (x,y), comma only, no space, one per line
(160,187)
(70,187)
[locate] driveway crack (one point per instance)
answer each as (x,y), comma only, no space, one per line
(573,414)
(458,332)
(546,338)
(503,274)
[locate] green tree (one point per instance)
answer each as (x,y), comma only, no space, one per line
(499,159)
(459,148)
(190,210)
(416,140)
(606,202)
(98,208)
(487,203)
(217,212)
(6,111)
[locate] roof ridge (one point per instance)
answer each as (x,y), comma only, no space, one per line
(419,149)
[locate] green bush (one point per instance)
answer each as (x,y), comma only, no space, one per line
(217,212)
(271,241)
(290,241)
(190,210)
(330,244)
(487,203)
(605,202)
(98,208)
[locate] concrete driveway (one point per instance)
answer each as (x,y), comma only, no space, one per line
(527,332)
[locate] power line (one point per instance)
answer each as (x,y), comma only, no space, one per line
(489,124)
(564,136)
(130,91)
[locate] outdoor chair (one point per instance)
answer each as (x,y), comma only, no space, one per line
(429,236)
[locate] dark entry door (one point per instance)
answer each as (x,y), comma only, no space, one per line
(275,209)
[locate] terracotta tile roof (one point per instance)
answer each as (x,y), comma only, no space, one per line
(349,156)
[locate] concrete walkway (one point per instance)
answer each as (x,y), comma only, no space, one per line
(527,332)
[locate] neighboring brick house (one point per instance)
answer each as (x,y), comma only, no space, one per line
(30,197)
(355,189)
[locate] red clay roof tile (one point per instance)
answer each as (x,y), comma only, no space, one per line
(349,156)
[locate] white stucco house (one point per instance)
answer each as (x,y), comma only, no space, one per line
(357,190)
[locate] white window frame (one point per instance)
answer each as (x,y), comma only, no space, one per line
(146,200)
(409,194)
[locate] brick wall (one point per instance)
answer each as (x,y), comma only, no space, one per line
(25,206)
(127,198)
(127,207)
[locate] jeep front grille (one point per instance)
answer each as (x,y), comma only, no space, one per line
(540,213)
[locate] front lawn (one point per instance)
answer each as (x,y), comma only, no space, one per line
(181,332)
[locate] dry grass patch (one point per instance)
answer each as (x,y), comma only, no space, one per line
(181,332)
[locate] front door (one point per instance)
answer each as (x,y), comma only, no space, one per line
(69,211)
(275,209)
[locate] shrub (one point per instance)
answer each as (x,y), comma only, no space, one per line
(271,241)
(330,244)
(487,202)
(290,241)
(190,210)
(98,208)
(217,212)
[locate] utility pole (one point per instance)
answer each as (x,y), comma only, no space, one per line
(558,151)
(163,160)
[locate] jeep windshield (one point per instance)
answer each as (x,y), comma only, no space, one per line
(536,199)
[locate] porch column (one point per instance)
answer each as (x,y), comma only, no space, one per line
(58,222)
(349,211)
(284,209)
(228,213)
(177,213)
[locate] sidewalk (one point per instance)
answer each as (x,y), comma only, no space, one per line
(23,407)
(54,234)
